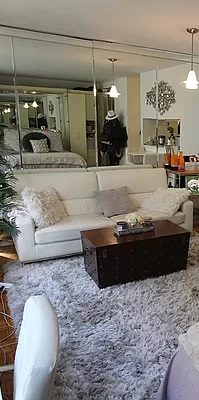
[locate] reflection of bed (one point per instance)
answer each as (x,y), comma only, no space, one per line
(55,158)
(64,159)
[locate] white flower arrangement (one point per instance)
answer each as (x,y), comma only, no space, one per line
(134,219)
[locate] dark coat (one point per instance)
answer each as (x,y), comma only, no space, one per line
(113,138)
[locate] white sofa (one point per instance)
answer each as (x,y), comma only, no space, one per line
(77,191)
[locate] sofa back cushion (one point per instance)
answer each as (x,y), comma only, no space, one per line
(67,185)
(77,191)
(81,206)
(136,180)
(118,167)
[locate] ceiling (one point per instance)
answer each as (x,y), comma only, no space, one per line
(154,24)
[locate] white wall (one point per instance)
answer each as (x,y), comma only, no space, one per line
(186,107)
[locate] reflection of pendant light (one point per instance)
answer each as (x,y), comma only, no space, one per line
(26,105)
(7,110)
(113,90)
(191,82)
(34,104)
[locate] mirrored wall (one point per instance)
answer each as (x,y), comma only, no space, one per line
(55,103)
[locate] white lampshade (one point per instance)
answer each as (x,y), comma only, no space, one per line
(191,82)
(94,90)
(26,105)
(34,104)
(113,92)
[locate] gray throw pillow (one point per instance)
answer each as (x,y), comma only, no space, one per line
(115,202)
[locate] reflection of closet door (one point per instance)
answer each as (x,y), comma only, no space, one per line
(90,107)
(24,116)
(77,122)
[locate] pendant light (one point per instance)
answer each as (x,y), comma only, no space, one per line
(34,104)
(191,82)
(113,90)
(26,105)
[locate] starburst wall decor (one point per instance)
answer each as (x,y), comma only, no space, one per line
(166,96)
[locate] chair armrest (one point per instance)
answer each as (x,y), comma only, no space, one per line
(25,241)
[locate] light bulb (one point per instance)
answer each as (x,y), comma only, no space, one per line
(26,105)
(5,111)
(34,104)
(113,92)
(8,110)
(94,91)
(191,82)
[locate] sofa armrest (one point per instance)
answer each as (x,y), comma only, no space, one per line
(187,209)
(25,241)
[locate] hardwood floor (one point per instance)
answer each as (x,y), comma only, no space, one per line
(8,346)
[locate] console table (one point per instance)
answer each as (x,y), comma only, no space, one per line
(180,178)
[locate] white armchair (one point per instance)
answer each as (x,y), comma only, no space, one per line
(37,351)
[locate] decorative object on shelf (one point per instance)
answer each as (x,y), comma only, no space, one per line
(181,162)
(193,162)
(174,158)
(113,90)
(166,96)
(51,107)
(191,81)
(167,157)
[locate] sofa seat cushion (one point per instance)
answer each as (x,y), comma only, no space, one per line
(70,227)
(178,218)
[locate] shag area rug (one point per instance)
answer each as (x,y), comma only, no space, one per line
(115,342)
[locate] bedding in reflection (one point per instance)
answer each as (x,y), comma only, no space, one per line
(55,158)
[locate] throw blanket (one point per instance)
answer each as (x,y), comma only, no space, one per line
(62,159)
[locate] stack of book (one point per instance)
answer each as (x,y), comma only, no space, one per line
(133,229)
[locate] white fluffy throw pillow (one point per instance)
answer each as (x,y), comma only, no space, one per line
(168,201)
(43,206)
